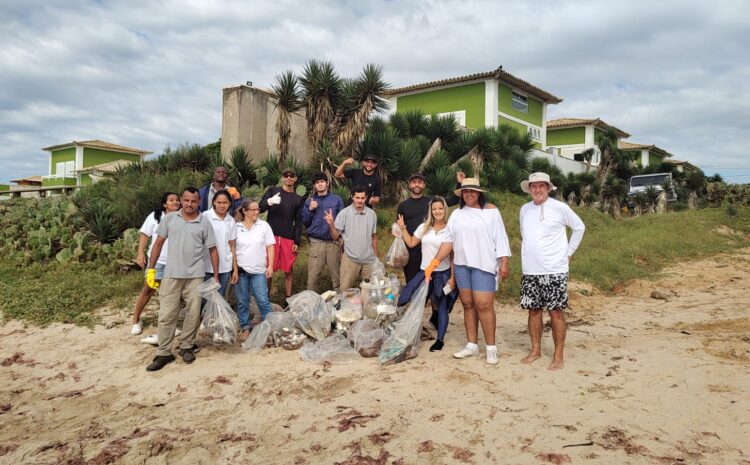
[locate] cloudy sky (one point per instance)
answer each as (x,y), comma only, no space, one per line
(147,73)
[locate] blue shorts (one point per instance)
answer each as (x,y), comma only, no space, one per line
(159,271)
(475,279)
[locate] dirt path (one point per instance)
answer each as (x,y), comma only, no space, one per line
(647,380)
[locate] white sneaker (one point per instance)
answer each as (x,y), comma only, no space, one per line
(492,355)
(466,352)
(153,340)
(136,329)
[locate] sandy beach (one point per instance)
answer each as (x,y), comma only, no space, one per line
(656,374)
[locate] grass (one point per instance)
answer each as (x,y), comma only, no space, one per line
(612,253)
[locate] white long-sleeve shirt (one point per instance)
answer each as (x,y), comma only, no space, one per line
(479,238)
(544,243)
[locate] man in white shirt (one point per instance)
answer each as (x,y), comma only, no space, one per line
(545,254)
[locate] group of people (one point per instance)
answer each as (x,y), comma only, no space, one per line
(215,234)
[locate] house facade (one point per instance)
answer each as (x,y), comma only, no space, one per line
(481,100)
(646,154)
(569,137)
(77,163)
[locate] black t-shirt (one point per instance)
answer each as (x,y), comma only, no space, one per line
(285,218)
(414,211)
(371,182)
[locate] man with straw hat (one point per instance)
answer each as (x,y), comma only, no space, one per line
(545,255)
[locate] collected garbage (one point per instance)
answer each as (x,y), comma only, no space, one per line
(259,338)
(367,337)
(403,342)
(311,313)
(334,349)
(398,254)
(219,320)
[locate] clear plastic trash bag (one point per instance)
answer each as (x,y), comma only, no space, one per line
(284,331)
(334,349)
(258,338)
(367,337)
(377,273)
(403,342)
(398,255)
(312,315)
(219,320)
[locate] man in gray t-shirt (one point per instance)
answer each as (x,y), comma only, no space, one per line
(189,234)
(357,225)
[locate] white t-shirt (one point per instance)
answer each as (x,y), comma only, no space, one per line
(224,230)
(149,229)
(251,246)
(431,242)
(544,244)
(479,238)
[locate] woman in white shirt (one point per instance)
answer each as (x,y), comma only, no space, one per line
(254,260)
(431,235)
(170,202)
(225,232)
(477,238)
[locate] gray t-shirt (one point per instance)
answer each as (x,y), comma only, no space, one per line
(357,229)
(188,241)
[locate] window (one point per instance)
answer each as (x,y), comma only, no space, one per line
(459,115)
(64,169)
(520,102)
(536,133)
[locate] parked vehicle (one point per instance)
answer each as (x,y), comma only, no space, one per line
(658,181)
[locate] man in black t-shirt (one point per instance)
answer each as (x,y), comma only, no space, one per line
(284,208)
(366,176)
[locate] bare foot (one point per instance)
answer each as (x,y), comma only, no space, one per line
(244,335)
(532,357)
(556,365)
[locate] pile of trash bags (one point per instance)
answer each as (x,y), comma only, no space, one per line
(344,327)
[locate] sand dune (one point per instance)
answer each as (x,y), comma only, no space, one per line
(647,380)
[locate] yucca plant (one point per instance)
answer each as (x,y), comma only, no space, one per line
(241,169)
(326,158)
(288,102)
(460,146)
(416,121)
(444,128)
(441,181)
(377,124)
(365,96)
(321,94)
(387,146)
(270,169)
(696,183)
(504,175)
(465,167)
(101,221)
(613,193)
(398,121)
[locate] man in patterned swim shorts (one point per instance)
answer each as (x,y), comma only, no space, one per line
(545,255)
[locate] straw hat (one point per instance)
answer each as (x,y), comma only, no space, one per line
(537,177)
(469,184)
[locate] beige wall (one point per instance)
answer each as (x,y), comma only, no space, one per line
(248,118)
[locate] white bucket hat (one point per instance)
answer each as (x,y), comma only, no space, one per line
(537,177)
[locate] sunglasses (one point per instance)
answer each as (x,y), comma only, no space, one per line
(288,175)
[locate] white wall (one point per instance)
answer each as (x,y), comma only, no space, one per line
(565,164)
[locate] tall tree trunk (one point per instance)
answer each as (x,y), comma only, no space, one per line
(693,200)
(436,145)
(283,134)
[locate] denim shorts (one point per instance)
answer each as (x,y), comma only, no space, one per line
(159,271)
(475,279)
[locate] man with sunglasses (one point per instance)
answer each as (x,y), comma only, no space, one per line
(366,176)
(284,207)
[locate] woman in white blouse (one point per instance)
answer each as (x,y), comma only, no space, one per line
(431,235)
(477,238)
(254,261)
(170,202)
(225,232)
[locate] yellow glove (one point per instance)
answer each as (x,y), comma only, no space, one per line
(430,268)
(151,279)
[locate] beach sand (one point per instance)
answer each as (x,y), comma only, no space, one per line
(647,380)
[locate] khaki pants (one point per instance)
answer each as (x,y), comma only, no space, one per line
(171,292)
(323,255)
(351,272)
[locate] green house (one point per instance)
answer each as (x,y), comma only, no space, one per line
(647,154)
(481,100)
(80,163)
(569,137)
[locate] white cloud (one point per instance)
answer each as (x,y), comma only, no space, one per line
(147,74)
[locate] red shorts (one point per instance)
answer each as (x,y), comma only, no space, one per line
(283,257)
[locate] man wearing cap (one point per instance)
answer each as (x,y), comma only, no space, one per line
(366,176)
(284,208)
(324,251)
(545,255)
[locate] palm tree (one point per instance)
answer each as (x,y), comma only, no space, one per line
(288,102)
(321,92)
(364,96)
(607,143)
(588,156)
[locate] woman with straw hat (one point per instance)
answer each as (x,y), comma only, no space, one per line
(477,238)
